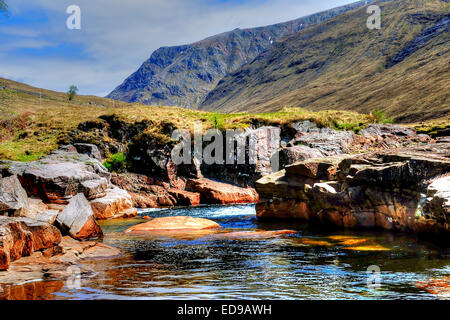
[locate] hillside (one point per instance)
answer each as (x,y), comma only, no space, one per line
(31,127)
(402,69)
(184,75)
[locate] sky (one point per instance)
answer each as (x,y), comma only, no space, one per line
(117,36)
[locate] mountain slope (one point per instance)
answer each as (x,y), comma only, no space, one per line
(184,75)
(402,69)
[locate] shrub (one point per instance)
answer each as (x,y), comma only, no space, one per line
(116,163)
(380,117)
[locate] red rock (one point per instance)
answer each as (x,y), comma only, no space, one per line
(22,236)
(174,224)
(185,198)
(146,218)
(212,192)
(117,203)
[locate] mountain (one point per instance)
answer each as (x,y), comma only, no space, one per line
(402,69)
(184,75)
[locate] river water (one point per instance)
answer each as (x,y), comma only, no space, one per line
(313,263)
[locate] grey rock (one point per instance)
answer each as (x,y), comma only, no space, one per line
(13,198)
(77,219)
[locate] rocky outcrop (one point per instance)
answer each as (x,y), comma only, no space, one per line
(290,155)
(56,263)
(77,218)
(117,203)
(395,190)
(212,192)
(184,224)
(60,176)
(21,237)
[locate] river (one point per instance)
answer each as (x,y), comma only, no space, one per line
(314,263)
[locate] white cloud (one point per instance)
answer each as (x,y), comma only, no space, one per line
(117,36)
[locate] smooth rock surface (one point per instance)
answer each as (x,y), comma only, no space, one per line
(185,224)
(212,192)
(116,203)
(77,218)
(13,198)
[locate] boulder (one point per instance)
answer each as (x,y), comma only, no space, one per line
(117,203)
(185,198)
(179,223)
(212,192)
(21,237)
(13,198)
(78,220)
(62,175)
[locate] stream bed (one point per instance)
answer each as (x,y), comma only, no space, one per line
(313,263)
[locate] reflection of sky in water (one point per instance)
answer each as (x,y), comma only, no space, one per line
(280,268)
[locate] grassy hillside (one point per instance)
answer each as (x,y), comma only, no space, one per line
(340,64)
(30,127)
(183,75)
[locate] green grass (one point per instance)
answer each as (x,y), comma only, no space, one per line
(29,130)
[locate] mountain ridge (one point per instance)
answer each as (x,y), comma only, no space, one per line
(401,69)
(183,75)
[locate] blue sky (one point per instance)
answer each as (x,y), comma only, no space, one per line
(116,36)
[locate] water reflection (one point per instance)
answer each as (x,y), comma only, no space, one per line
(310,264)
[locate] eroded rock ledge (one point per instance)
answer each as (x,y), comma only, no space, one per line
(404,189)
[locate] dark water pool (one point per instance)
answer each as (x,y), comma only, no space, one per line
(311,264)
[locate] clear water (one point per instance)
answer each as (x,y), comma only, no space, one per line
(312,264)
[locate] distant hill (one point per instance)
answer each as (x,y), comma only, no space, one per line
(184,75)
(403,68)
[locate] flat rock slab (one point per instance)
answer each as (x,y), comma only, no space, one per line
(184,224)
